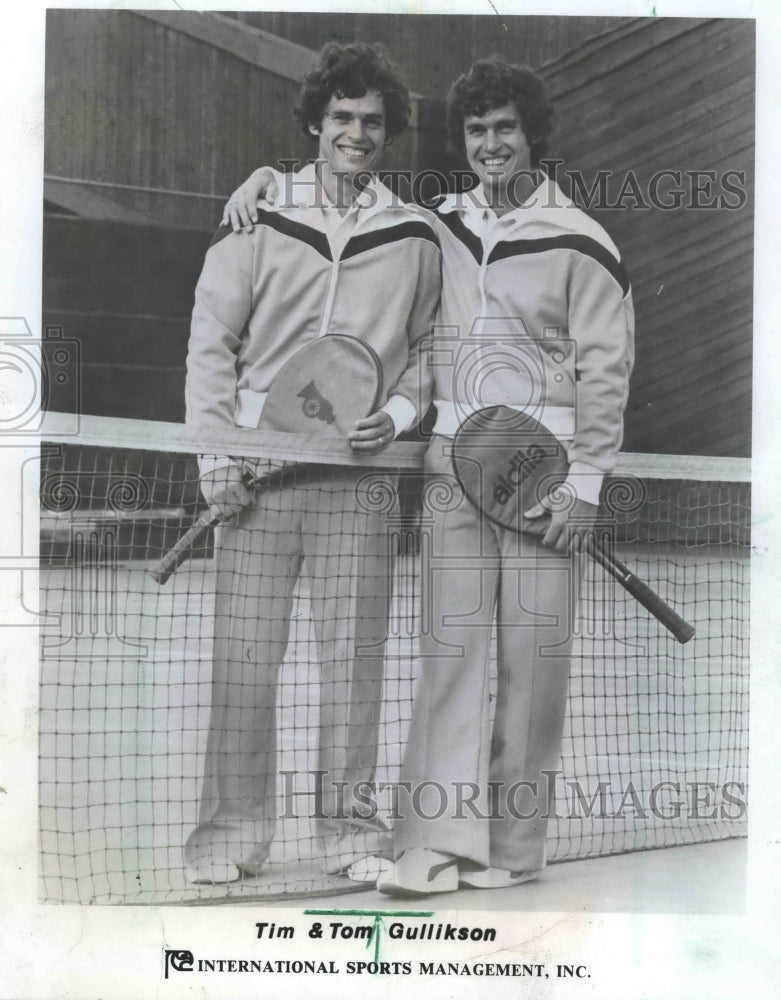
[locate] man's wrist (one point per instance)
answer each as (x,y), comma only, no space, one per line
(402,412)
(585,481)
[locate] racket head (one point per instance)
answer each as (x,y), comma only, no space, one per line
(324,388)
(507,462)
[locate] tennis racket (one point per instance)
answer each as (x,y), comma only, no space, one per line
(507,462)
(320,391)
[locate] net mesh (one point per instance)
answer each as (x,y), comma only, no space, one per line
(138,773)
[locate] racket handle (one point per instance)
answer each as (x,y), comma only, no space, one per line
(642,593)
(176,555)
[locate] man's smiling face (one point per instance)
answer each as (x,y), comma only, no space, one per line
(496,148)
(353,133)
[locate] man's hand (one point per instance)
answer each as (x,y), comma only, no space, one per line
(241,209)
(563,530)
(373,433)
(224,491)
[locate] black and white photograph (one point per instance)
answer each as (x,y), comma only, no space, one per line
(378,456)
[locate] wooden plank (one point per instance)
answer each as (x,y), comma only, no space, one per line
(660,344)
(684,265)
(733,366)
(432,50)
(261,49)
(88,201)
(658,432)
(672,408)
(691,433)
(649,143)
(727,306)
(728,322)
(733,138)
(728,282)
(628,35)
(251,45)
(666,250)
(648,235)
(702,351)
(665,139)
(685,61)
(163,208)
(613,50)
(681,278)
(683,310)
(704,378)
(653,39)
(675,240)
(728,356)
(663,251)
(721,311)
(731,363)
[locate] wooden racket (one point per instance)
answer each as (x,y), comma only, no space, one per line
(320,391)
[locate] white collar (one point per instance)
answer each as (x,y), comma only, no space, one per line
(547,202)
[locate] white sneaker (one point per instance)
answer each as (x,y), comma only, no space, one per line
(207,870)
(493,878)
(420,872)
(369,870)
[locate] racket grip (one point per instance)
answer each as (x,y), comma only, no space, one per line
(643,594)
(162,570)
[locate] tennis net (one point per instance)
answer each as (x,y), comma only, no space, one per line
(135,760)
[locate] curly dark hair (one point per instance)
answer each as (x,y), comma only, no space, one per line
(491,83)
(351,71)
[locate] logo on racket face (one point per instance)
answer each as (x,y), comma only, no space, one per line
(523,462)
(315,405)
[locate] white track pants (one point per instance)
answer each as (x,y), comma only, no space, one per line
(342,544)
(479,788)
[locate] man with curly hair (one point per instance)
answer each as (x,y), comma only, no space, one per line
(536,314)
(317,263)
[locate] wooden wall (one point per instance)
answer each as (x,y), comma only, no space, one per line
(674,94)
(434,49)
(125,292)
(156,116)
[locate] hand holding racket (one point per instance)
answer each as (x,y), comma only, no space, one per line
(507,464)
(323,390)
(554,526)
(225,490)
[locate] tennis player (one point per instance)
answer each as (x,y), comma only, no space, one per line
(536,313)
(337,254)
